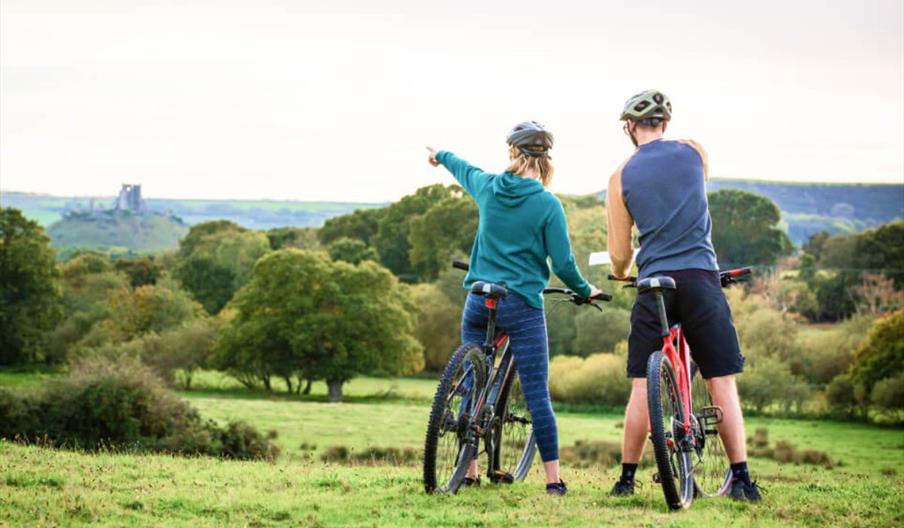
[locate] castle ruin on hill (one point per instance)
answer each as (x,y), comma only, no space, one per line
(130,199)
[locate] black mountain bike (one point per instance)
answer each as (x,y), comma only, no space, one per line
(479,398)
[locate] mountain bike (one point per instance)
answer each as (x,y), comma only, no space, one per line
(479,400)
(690,457)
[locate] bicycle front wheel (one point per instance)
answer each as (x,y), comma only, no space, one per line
(513,433)
(450,443)
(673,457)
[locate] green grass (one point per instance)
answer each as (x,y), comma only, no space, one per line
(41,486)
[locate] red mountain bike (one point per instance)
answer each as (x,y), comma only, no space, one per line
(690,457)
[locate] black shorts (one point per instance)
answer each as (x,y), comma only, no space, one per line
(700,306)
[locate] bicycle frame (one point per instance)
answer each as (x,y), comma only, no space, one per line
(680,360)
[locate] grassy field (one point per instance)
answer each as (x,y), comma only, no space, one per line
(52,487)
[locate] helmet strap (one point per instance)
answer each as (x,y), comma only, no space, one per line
(630,133)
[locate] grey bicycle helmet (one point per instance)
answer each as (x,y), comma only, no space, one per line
(531,138)
(650,108)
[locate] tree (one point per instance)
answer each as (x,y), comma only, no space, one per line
(302,314)
(361,224)
(438,324)
(215,259)
(297,237)
(30,292)
(351,250)
(394,227)
(745,228)
(141,271)
(881,355)
(445,231)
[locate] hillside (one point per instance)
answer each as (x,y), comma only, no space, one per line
(114,229)
(255,214)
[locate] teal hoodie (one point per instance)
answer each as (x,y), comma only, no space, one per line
(521,224)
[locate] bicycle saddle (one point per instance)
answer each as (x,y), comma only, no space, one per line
(488,289)
(656,284)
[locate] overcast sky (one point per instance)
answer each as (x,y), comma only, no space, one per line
(336,100)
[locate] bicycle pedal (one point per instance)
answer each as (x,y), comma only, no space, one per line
(710,415)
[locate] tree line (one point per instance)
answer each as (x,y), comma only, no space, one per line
(370,292)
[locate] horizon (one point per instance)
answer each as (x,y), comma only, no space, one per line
(180,198)
(281,101)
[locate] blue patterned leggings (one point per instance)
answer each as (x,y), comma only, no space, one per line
(526,328)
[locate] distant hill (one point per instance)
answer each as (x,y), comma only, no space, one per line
(808,208)
(117,230)
(255,214)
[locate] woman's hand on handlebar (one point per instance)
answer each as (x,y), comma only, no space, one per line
(432,159)
(595,292)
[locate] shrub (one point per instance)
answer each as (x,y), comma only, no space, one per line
(598,332)
(840,393)
(888,394)
(599,379)
(121,405)
(769,380)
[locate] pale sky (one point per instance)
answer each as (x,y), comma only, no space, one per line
(336,100)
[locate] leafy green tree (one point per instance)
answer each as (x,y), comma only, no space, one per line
(438,324)
(30,292)
(361,224)
(296,237)
(351,250)
(745,228)
(303,314)
(881,355)
(394,227)
(142,271)
(215,259)
(445,231)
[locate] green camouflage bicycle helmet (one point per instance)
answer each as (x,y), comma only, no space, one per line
(649,108)
(531,138)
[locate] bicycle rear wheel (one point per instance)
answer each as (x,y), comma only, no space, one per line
(513,433)
(450,443)
(712,469)
(673,459)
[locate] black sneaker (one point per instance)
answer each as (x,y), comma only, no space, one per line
(557,488)
(622,488)
(739,490)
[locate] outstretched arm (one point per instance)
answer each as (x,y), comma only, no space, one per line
(468,176)
(559,248)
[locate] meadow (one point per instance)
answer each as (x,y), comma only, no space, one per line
(864,487)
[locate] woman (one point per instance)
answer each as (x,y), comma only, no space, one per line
(521,225)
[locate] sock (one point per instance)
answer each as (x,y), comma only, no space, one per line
(739,472)
(628,471)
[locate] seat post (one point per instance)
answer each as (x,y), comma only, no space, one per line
(490,303)
(663,318)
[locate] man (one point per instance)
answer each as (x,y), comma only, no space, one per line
(661,190)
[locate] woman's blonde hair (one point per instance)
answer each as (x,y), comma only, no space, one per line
(538,166)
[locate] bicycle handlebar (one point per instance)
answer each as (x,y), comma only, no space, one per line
(575,298)
(726,277)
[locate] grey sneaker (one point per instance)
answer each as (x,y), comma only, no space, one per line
(745,492)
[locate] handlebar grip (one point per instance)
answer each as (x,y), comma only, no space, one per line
(629,278)
(602,297)
(461,265)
